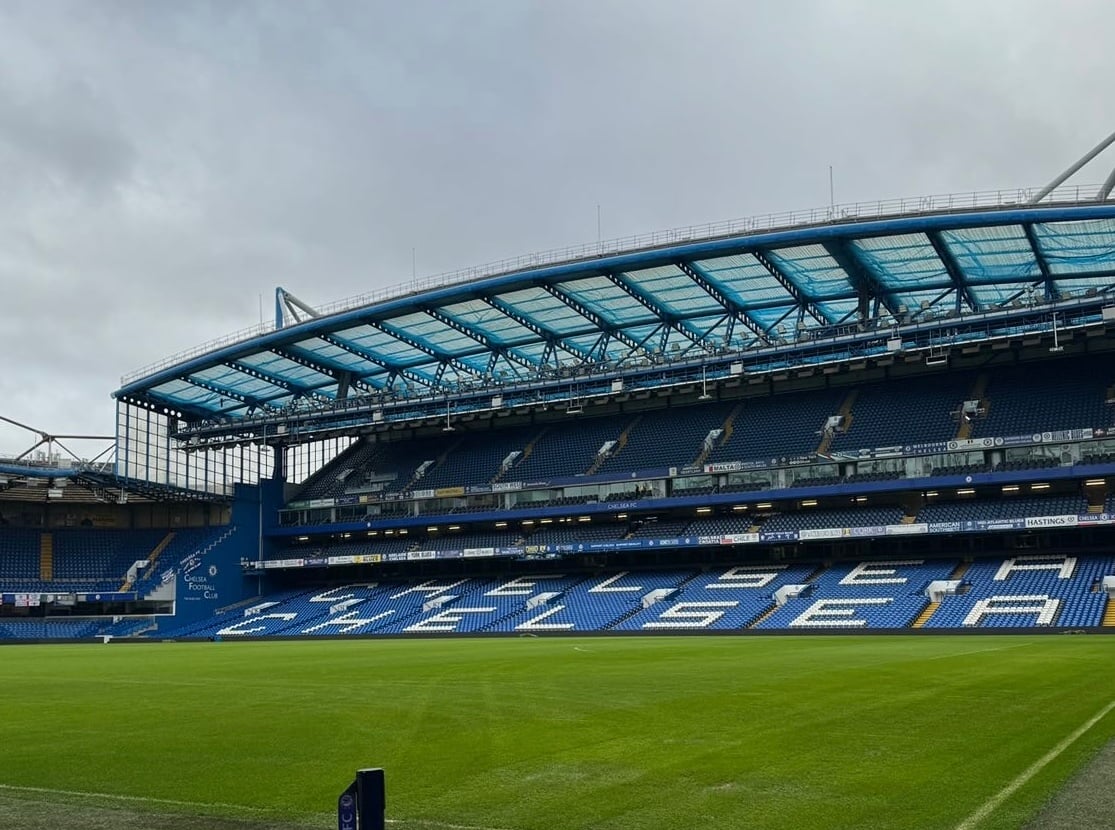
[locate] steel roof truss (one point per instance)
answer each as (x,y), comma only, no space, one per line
(295,388)
(457,325)
(737,312)
(549,336)
(592,317)
(394,370)
(963,293)
(326,367)
(799,296)
(225,392)
(515,361)
(439,355)
(1051,292)
(512,360)
(671,319)
(861,275)
(484,340)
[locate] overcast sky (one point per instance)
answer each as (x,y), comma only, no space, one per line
(164,164)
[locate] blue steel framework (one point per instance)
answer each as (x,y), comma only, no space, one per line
(676,313)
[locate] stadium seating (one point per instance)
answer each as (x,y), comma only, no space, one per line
(808,519)
(722,599)
(915,409)
(1018,592)
(782,426)
(1046,396)
(1028,591)
(862,595)
(1005,508)
(93,559)
(667,438)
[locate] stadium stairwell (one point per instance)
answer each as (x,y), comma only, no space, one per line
(926,613)
(961,569)
(1109,614)
(152,560)
(845,413)
(726,430)
(527,450)
(979,389)
(621,442)
(46,557)
(440,460)
(773,607)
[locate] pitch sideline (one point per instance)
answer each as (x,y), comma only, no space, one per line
(1010,789)
(217,805)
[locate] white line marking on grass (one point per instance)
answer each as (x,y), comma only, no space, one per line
(1010,789)
(976,651)
(144,799)
(217,805)
(440,825)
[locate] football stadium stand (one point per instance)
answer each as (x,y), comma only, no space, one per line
(899,418)
(1022,592)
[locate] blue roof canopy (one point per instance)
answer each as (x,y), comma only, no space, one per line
(735,292)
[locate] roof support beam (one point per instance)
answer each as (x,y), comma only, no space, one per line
(225,392)
(862,277)
(550,336)
(669,318)
(442,357)
(283,383)
(1051,292)
(739,314)
(337,371)
(395,370)
(803,301)
(482,339)
(593,317)
(952,268)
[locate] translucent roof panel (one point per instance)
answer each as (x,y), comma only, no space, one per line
(812,269)
(382,343)
(767,318)
(603,297)
(743,279)
(240,383)
(902,261)
(993,253)
(315,348)
(837,311)
(546,310)
(1080,255)
(936,298)
(188,394)
(430,332)
(681,297)
(671,289)
(1077,247)
(489,321)
(287,369)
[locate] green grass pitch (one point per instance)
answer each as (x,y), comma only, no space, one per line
(614,733)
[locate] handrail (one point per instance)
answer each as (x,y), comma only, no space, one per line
(856,211)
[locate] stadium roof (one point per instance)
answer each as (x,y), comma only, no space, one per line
(728,292)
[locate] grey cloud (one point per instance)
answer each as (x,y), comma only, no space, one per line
(164,165)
